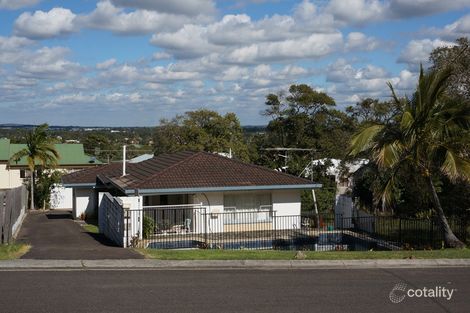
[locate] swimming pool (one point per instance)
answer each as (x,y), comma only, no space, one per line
(329,242)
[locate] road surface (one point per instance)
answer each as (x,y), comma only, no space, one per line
(319,290)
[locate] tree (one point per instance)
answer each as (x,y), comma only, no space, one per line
(429,137)
(305,118)
(100,145)
(39,149)
(202,130)
(457,58)
(373,110)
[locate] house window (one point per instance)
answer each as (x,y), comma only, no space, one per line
(247,208)
(22,174)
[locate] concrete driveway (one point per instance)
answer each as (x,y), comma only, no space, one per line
(55,235)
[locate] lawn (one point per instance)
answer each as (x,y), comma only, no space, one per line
(12,251)
(91,226)
(310,255)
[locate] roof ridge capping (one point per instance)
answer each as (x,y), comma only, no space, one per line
(256,166)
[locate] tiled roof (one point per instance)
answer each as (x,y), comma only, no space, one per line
(189,170)
(88,176)
(136,171)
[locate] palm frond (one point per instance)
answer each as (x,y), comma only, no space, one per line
(364,139)
(388,155)
(455,166)
(19,155)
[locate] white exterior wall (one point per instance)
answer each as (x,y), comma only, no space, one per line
(9,178)
(83,202)
(214,203)
(132,207)
(286,204)
(61,198)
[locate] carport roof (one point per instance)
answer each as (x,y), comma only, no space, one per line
(189,172)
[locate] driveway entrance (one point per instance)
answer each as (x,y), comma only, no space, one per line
(55,235)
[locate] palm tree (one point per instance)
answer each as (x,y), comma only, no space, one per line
(39,150)
(430,135)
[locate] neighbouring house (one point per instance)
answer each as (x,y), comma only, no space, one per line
(343,176)
(72,158)
(217,183)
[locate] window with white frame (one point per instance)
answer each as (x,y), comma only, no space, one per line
(246,208)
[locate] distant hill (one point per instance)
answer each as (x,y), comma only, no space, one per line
(247,128)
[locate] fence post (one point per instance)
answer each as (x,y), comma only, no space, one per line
(275,226)
(127,221)
(399,230)
(205,226)
(431,231)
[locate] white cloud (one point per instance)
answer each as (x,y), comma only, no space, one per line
(41,25)
(313,46)
(361,12)
(359,41)
(106,64)
(167,74)
(460,28)
(107,16)
(161,55)
(49,63)
(182,7)
(349,84)
(417,52)
(12,48)
(17,4)
(123,74)
(13,43)
(188,42)
(406,8)
(356,11)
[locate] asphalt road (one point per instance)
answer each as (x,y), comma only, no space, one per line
(219,291)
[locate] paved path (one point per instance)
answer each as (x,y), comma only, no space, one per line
(214,291)
(55,235)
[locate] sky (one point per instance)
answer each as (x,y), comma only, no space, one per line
(135,62)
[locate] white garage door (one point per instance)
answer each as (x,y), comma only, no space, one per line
(61,198)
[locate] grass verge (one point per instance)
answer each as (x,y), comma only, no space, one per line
(310,255)
(91,228)
(13,251)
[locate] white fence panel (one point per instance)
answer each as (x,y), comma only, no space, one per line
(111,219)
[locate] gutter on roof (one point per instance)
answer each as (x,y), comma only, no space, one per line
(217,189)
(78,185)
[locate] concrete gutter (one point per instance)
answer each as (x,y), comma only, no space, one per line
(230,264)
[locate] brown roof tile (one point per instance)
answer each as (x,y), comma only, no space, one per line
(186,170)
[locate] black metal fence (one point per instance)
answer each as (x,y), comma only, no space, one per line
(189,227)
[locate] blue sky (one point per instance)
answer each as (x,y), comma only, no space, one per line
(134,62)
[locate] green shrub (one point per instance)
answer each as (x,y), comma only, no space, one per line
(148,227)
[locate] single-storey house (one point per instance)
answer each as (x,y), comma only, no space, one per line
(72,158)
(218,183)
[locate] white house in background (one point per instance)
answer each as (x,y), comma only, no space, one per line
(72,158)
(342,173)
(217,183)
